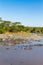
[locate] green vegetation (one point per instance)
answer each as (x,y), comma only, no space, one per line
(8,26)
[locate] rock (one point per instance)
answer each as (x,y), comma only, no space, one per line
(28,48)
(38,44)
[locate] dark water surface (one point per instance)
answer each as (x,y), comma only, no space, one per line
(21,54)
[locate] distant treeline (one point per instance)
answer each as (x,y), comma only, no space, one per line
(8,26)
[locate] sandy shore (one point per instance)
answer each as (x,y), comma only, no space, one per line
(30,36)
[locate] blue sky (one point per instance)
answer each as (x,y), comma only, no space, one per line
(28,12)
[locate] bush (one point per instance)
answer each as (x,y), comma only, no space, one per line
(2,31)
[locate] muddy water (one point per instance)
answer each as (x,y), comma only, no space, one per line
(21,54)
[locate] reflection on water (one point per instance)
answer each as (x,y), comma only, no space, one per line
(21,54)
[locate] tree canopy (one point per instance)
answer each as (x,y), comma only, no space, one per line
(8,26)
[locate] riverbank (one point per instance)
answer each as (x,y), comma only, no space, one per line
(21,36)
